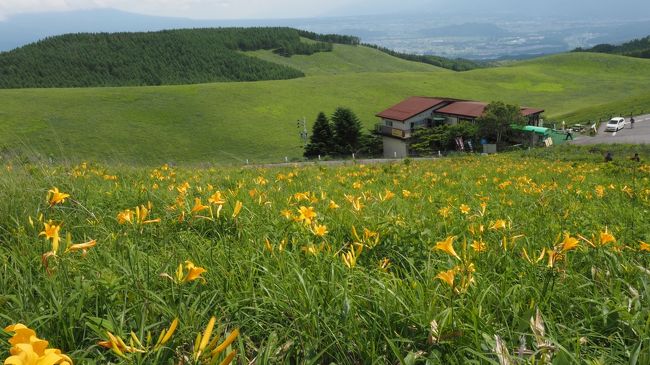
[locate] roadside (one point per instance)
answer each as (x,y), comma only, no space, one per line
(640,134)
(367,161)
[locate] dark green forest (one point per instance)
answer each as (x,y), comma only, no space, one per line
(172,57)
(639,48)
(456,64)
(168,57)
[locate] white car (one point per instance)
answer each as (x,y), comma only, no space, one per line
(615,124)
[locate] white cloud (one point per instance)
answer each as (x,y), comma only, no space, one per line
(185,8)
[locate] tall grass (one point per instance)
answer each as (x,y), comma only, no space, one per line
(290,292)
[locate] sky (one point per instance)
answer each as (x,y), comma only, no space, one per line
(214,9)
(264,9)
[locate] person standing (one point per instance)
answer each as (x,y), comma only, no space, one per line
(609,157)
(631,122)
(569,135)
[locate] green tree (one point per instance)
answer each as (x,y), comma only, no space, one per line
(428,141)
(347,131)
(322,138)
(497,118)
(371,144)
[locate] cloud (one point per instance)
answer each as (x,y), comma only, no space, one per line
(187,8)
(215,9)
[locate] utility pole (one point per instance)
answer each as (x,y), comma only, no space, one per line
(302,124)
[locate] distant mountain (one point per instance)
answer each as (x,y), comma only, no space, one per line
(168,57)
(639,48)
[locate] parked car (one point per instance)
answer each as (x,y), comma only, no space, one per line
(615,124)
(577,127)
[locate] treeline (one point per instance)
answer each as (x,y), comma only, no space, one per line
(456,64)
(184,56)
(639,48)
(292,48)
(330,38)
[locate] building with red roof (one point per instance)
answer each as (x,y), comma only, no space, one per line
(399,122)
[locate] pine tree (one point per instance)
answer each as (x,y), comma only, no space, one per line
(321,140)
(347,131)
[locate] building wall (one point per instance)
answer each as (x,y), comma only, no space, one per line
(395,148)
(417,121)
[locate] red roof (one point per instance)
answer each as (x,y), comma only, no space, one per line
(473,109)
(525,111)
(410,108)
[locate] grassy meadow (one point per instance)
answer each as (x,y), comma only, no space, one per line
(216,123)
(509,259)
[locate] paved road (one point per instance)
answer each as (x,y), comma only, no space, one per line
(637,135)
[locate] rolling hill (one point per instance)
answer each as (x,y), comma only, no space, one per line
(170,57)
(636,48)
(346,59)
(233,121)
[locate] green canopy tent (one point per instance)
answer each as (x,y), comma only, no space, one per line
(557,137)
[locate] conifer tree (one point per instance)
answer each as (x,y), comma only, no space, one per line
(347,131)
(321,140)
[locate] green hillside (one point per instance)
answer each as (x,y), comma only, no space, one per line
(232,122)
(345,59)
(636,48)
(184,56)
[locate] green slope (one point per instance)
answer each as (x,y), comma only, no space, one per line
(169,57)
(346,59)
(232,122)
(634,48)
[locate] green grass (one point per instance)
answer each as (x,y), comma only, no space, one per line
(346,59)
(293,306)
(233,122)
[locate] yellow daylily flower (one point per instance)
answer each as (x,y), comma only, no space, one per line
(193,272)
(27,349)
(388,195)
(333,205)
(188,272)
(447,276)
(83,247)
(643,246)
(447,246)
(237,210)
(198,206)
(306,215)
(569,243)
(606,237)
(444,212)
(464,208)
(478,246)
(216,198)
(51,232)
(125,216)
(319,230)
(57,197)
(499,224)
